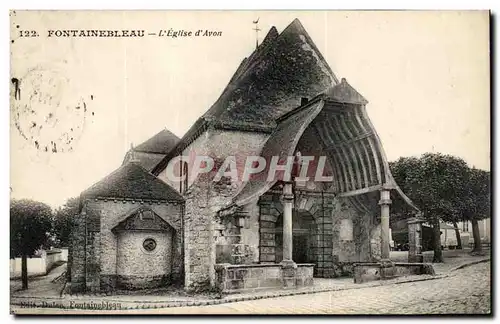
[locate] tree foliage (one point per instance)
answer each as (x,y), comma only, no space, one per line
(435,182)
(443,187)
(63,220)
(30,226)
(476,202)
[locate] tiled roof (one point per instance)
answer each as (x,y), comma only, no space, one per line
(161,143)
(132,181)
(272,81)
(268,84)
(147,160)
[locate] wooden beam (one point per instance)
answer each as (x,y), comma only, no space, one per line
(344,153)
(380,147)
(360,191)
(377,167)
(335,166)
(353,161)
(351,141)
(338,157)
(358,151)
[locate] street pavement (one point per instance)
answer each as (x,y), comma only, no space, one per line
(41,286)
(464,291)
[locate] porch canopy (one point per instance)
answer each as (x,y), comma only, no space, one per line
(348,139)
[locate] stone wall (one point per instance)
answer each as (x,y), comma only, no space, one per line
(341,236)
(370,271)
(242,278)
(207,237)
(76,262)
(138,268)
(270,211)
(94,248)
(220,144)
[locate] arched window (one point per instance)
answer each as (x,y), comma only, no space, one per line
(185,174)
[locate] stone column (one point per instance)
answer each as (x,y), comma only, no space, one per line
(415,240)
(288,266)
(385,202)
(287,223)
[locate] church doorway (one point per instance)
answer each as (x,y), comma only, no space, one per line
(304,232)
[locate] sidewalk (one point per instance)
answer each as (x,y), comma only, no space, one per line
(45,293)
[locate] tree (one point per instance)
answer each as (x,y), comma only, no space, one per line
(476,202)
(30,227)
(63,221)
(434,182)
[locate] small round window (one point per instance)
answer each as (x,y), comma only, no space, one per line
(149,244)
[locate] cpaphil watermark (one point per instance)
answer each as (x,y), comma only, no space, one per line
(289,168)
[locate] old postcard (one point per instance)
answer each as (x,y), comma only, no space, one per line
(250,162)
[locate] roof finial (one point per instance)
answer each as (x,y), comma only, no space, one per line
(257,29)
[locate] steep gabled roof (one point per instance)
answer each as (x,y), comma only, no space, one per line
(269,83)
(132,181)
(160,143)
(147,160)
(345,93)
(149,153)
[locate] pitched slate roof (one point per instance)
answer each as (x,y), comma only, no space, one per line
(153,150)
(281,143)
(132,181)
(147,160)
(269,83)
(160,143)
(345,93)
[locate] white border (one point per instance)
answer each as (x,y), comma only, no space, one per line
(184,4)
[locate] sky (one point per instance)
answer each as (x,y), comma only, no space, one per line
(425,75)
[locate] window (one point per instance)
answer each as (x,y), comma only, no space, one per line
(149,244)
(147,214)
(185,173)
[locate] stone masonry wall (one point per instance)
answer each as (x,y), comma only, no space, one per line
(94,265)
(242,278)
(270,211)
(357,248)
(209,239)
(138,268)
(77,264)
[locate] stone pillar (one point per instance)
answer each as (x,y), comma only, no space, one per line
(287,222)
(385,202)
(415,240)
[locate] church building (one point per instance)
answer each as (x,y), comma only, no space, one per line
(141,228)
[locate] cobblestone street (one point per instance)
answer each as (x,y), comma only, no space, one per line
(465,291)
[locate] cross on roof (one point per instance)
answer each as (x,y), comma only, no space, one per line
(257,29)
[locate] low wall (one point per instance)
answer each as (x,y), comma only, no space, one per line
(64,254)
(39,265)
(370,271)
(36,266)
(231,278)
(51,258)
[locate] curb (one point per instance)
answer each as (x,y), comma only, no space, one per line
(172,304)
(163,304)
(468,264)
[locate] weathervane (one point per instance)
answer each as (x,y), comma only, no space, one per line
(256,22)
